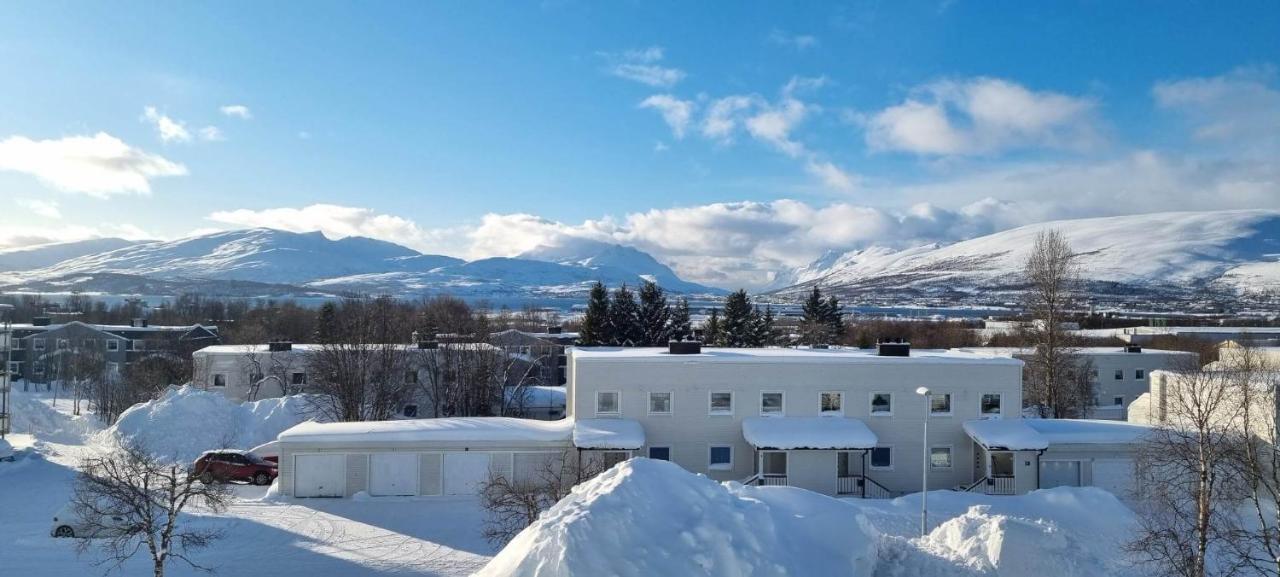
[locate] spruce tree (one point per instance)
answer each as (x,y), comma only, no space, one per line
(624,318)
(654,315)
(831,315)
(595,324)
(815,325)
(711,331)
(739,328)
(327,324)
(679,328)
(764,336)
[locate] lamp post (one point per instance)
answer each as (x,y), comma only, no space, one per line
(924,487)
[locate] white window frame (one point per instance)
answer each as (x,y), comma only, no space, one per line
(1119,375)
(1114,403)
(871,405)
(996,415)
(719,466)
(951,451)
(37,344)
(782,409)
(15,367)
(113,345)
(839,413)
(649,453)
(17,343)
(711,410)
(671,403)
(891,459)
(1139,374)
(951,405)
(617,399)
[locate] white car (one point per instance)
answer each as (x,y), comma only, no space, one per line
(67,523)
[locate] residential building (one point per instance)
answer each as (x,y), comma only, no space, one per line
(1268,336)
(1119,374)
(544,351)
(39,347)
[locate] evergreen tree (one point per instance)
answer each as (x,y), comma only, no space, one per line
(831,316)
(739,326)
(327,323)
(595,324)
(815,325)
(679,327)
(654,315)
(624,318)
(711,331)
(764,336)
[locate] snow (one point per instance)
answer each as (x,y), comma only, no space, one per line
(785,433)
(780,354)
(1006,434)
(185,422)
(622,434)
(645,518)
(1088,432)
(456,429)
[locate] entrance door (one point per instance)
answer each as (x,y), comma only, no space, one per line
(1059,474)
(463,472)
(393,474)
(1001,464)
(319,475)
(774,463)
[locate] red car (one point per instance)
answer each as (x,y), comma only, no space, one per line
(229,465)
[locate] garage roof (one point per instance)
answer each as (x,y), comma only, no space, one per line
(1039,434)
(459,429)
(786,433)
(617,434)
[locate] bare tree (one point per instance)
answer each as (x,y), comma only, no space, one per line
(1253,374)
(1051,275)
(514,504)
(362,375)
(131,500)
(1189,511)
(466,379)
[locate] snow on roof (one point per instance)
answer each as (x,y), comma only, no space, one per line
(608,434)
(308,347)
(1009,435)
(807,433)
(537,395)
(1091,351)
(780,354)
(458,429)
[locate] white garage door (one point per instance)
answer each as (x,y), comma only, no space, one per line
(1059,474)
(1114,475)
(319,475)
(393,474)
(463,471)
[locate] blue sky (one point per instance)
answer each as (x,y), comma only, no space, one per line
(728,139)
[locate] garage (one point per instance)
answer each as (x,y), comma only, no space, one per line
(464,471)
(1059,474)
(393,474)
(1115,475)
(320,475)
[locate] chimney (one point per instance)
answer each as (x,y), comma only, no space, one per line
(41,321)
(554,330)
(684,347)
(427,345)
(279,346)
(140,323)
(1132,348)
(893,348)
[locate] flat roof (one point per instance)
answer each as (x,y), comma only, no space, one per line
(455,429)
(1092,351)
(263,347)
(1039,434)
(783,355)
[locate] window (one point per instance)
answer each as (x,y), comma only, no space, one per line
(721,457)
(660,453)
(1139,374)
(940,457)
(15,367)
(607,402)
(113,345)
(940,404)
(831,403)
(298,378)
(882,458)
(659,403)
(1119,374)
(721,404)
(63,344)
(771,404)
(881,404)
(991,405)
(774,463)
(37,344)
(219,380)
(1117,401)
(411,377)
(17,344)
(410,411)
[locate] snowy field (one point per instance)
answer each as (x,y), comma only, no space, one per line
(641,518)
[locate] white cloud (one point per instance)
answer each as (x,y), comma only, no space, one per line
(795,41)
(23,236)
(44,208)
(98,165)
(643,66)
(236,111)
(722,117)
(773,125)
(337,221)
(981,116)
(170,130)
(1242,104)
(211,134)
(832,176)
(675,112)
(660,146)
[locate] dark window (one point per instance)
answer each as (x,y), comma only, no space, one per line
(882,457)
(991,404)
(299,378)
(660,453)
(940,404)
(411,411)
(219,380)
(1119,374)
(1117,401)
(721,457)
(1139,374)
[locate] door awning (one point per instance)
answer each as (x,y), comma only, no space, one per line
(795,433)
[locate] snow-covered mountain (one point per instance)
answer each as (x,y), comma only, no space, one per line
(33,257)
(613,259)
(310,262)
(1172,252)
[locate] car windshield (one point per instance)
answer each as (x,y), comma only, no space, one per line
(256,459)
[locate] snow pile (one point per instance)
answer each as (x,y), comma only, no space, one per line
(994,544)
(646,517)
(36,413)
(187,421)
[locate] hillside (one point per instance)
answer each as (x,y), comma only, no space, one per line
(41,256)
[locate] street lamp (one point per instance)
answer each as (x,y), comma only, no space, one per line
(924,492)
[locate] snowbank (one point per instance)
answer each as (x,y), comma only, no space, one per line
(34,413)
(186,421)
(644,518)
